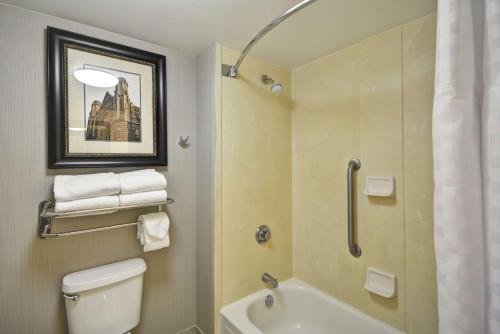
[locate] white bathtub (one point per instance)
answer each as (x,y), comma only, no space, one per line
(298,308)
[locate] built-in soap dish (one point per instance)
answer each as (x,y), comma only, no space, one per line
(380,282)
(382,186)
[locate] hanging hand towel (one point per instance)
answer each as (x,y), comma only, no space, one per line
(88,204)
(153,232)
(141,181)
(74,187)
(143,198)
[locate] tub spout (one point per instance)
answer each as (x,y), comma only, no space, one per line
(266,278)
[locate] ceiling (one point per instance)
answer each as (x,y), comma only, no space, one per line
(190,25)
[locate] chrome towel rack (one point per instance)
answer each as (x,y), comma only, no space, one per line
(47,217)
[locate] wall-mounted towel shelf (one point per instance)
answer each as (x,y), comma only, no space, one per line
(47,216)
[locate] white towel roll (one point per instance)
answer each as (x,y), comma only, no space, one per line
(153,232)
(143,198)
(141,181)
(73,187)
(88,204)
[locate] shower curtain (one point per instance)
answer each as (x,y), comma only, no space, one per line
(466,140)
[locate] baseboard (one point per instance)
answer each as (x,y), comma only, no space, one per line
(191,330)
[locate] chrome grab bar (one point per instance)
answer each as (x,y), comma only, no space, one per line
(354,164)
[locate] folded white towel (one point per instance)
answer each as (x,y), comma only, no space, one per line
(88,204)
(73,187)
(141,181)
(153,232)
(143,198)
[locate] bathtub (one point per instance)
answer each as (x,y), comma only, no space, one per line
(298,308)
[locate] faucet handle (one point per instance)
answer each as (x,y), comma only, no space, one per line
(263,234)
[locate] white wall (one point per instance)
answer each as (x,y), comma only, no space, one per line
(31,269)
(204,233)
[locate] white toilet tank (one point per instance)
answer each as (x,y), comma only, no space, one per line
(105,299)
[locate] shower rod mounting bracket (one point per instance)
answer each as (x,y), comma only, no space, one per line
(228,71)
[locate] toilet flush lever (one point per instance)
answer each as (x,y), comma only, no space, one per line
(71,297)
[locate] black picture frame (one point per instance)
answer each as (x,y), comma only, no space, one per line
(57,93)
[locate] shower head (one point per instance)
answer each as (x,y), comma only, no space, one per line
(276,87)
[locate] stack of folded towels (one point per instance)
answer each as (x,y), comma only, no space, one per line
(85,192)
(141,187)
(108,190)
(147,186)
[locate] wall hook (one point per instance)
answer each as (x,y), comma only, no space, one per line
(183,142)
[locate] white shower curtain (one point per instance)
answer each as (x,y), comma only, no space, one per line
(466,136)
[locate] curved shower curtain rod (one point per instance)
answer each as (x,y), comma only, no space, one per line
(231,71)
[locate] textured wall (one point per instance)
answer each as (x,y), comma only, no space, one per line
(217,240)
(205,122)
(32,269)
(255,178)
(372,101)
(348,105)
(419,46)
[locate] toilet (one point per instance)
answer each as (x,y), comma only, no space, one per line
(105,299)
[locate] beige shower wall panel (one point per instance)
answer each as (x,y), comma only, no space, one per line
(349,105)
(255,177)
(419,40)
(381,219)
(325,112)
(372,101)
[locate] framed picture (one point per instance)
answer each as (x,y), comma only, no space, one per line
(106,103)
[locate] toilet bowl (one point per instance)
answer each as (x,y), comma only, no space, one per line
(105,299)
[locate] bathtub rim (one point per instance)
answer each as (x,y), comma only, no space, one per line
(237,310)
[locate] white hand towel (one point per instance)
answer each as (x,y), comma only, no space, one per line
(153,232)
(88,204)
(73,187)
(141,181)
(143,198)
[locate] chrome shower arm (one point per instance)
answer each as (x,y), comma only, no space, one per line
(230,71)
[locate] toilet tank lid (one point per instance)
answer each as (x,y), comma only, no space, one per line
(97,277)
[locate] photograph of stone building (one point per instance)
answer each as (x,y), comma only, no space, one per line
(115,117)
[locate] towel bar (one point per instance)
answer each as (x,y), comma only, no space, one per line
(47,217)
